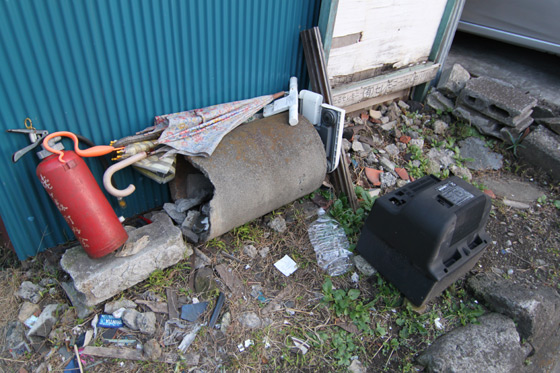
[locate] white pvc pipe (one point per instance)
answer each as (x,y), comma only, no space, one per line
(119,166)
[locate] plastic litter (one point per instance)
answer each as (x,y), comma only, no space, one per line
(331,245)
(109,321)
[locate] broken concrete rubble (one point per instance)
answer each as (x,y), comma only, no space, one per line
(453,80)
(542,149)
(535,312)
(493,345)
(100,279)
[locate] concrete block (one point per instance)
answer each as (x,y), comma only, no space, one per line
(453,80)
(536,312)
(485,125)
(490,346)
(505,104)
(437,101)
(541,148)
(97,280)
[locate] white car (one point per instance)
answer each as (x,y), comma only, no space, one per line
(533,24)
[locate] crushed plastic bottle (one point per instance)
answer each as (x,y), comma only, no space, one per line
(331,245)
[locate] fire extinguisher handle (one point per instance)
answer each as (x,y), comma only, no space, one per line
(95,151)
(119,166)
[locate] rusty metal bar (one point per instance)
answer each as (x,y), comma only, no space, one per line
(317,70)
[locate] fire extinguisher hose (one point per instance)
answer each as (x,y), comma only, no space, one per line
(95,151)
(119,166)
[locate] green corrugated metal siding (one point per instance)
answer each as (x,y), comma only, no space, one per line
(105,68)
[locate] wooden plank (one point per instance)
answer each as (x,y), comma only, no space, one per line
(133,354)
(172,306)
(395,33)
(377,100)
(354,93)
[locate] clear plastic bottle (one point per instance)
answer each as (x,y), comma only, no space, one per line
(331,245)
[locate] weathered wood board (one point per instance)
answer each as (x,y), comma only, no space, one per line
(354,93)
(372,37)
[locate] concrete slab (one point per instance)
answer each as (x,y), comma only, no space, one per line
(100,279)
(453,80)
(513,190)
(482,157)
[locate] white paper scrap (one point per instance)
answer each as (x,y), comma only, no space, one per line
(286,265)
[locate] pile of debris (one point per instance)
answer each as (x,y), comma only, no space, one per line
(495,108)
(191,214)
(502,111)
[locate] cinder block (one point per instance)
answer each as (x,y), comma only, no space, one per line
(453,80)
(484,124)
(505,104)
(97,280)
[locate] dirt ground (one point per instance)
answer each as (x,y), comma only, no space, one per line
(307,321)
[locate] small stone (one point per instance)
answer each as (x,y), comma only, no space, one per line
(27,309)
(387,180)
(384,120)
(200,259)
(443,157)
(440,127)
(204,280)
(111,307)
(389,125)
(403,105)
(185,204)
(393,112)
(387,164)
(357,146)
(453,80)
(462,172)
(44,323)
(375,114)
(189,235)
(226,322)
(152,349)
(371,159)
(508,243)
(250,320)
(190,219)
(363,266)
(146,322)
(278,224)
(31,292)
(130,317)
(264,252)
(417,142)
(358,121)
(47,281)
(357,367)
(347,145)
(392,150)
(171,210)
(15,335)
(366,147)
(250,250)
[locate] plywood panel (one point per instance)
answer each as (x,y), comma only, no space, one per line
(394,34)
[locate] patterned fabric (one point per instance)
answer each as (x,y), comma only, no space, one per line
(198,132)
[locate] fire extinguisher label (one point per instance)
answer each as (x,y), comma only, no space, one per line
(45,182)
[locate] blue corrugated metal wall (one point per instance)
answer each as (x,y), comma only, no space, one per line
(105,68)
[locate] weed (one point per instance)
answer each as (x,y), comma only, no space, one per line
(515,143)
(352,221)
(249,232)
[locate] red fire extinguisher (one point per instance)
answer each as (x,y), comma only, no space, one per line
(73,189)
